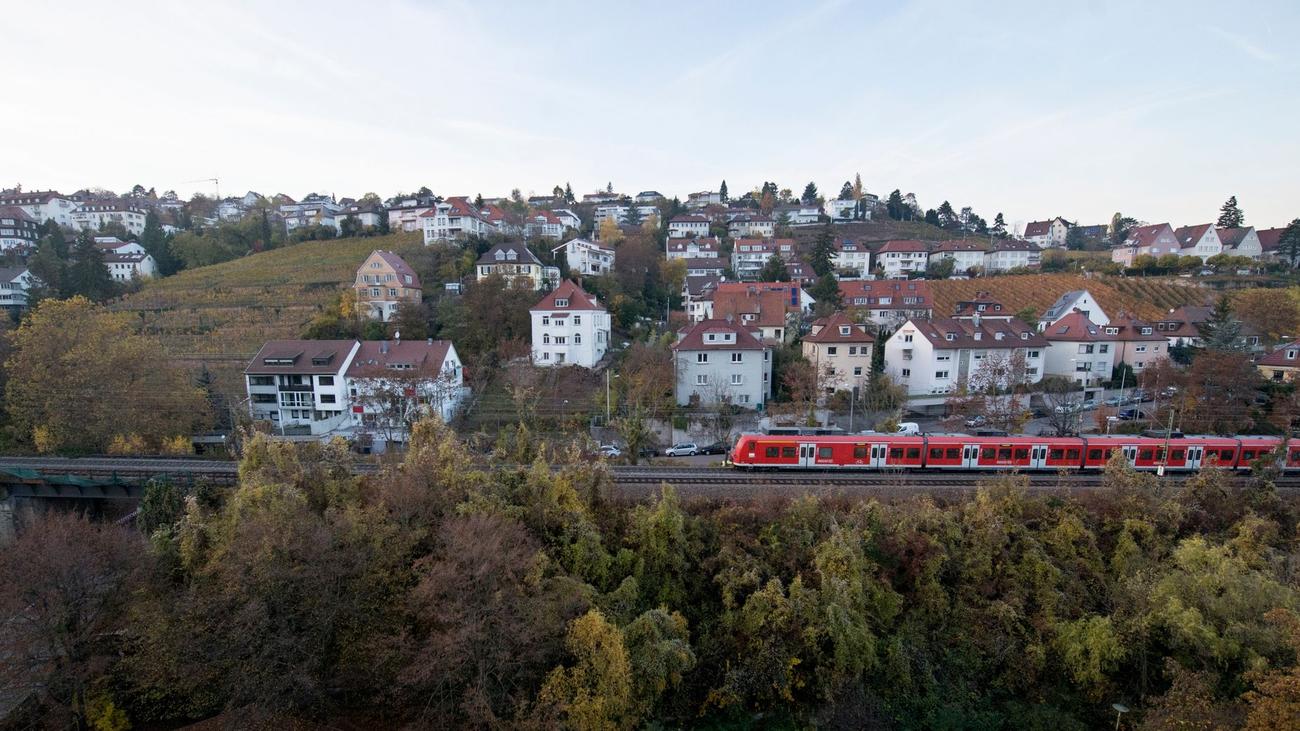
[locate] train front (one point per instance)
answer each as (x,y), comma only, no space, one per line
(740,455)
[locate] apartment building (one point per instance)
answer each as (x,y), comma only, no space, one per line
(1081,350)
(693,248)
(383,282)
(934,357)
(717,362)
(1047,234)
(313,210)
(751,225)
(586,257)
(1138,343)
(902,257)
(15,283)
(544,224)
(300,386)
(18,230)
(769,313)
(967,256)
(125,260)
(457,217)
(519,266)
(1080,300)
(888,302)
(840,349)
(393,383)
(688,225)
(42,206)
(569,327)
(1008,254)
(851,258)
(749,255)
(94,215)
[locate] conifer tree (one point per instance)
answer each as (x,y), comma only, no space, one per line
(1230,216)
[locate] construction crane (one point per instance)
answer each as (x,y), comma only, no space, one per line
(214,181)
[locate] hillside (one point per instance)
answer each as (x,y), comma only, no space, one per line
(230,309)
(1147,297)
(882,230)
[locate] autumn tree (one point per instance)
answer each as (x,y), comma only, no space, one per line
(79,376)
(1273,312)
(1220,389)
(65,588)
(594,692)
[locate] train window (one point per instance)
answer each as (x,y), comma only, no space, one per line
(895,452)
(1094,454)
(989,453)
(787,452)
(1160,454)
(1072,454)
(1225,455)
(1247,454)
(1057,454)
(825,453)
(1146,454)
(771,451)
(936,453)
(1022,453)
(955,453)
(1004,454)
(1176,455)
(913,452)
(859,453)
(1295,457)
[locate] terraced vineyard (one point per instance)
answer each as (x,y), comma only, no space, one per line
(1147,297)
(230,309)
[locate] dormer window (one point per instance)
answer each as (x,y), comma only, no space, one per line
(511,255)
(845,329)
(1024,336)
(997,336)
(1112,331)
(561,302)
(1290,355)
(500,256)
(1146,331)
(950,337)
(978,335)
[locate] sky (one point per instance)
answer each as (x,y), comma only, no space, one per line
(1035,109)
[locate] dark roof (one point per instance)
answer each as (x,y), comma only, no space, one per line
(398,264)
(16,213)
(1190,236)
(1130,329)
(1014,245)
(696,285)
(1232,237)
(1038,228)
(688,218)
(522,254)
(828,330)
(578,299)
(959,245)
(1146,235)
(874,289)
(1059,308)
(9,274)
(706,263)
(301,356)
(1269,238)
(981,298)
(374,357)
(988,334)
(693,337)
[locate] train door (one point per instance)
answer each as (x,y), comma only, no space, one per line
(1038,457)
(878,454)
(1130,453)
(1194,457)
(970,456)
(807,455)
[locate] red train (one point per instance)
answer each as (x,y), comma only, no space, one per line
(1024,453)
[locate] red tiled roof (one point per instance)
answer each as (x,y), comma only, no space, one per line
(902,245)
(874,289)
(688,218)
(828,330)
(1279,357)
(1232,237)
(757,308)
(1076,327)
(578,299)
(374,357)
(1189,236)
(1146,235)
(958,245)
(694,337)
(16,213)
(963,332)
(398,265)
(1038,228)
(1269,238)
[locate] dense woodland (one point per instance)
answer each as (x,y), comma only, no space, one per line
(453,591)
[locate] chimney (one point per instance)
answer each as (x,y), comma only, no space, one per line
(975,319)
(429,341)
(383,347)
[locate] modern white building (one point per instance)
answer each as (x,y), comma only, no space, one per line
(313,210)
(544,224)
(704,199)
(618,212)
(851,258)
(799,214)
(93,215)
(300,386)
(845,210)
(751,225)
(716,361)
(1008,254)
(43,205)
(902,257)
(126,260)
(405,214)
(586,257)
(840,350)
(456,218)
(935,357)
(749,255)
(1081,350)
(15,283)
(966,256)
(688,225)
(365,215)
(695,248)
(570,327)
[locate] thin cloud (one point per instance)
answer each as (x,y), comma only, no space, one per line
(1245,45)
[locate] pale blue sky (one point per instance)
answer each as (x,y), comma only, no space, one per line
(1080,109)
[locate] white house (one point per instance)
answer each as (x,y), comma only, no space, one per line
(544,224)
(902,257)
(393,383)
(799,214)
(840,350)
(965,255)
(93,215)
(43,205)
(1241,242)
(851,257)
(703,199)
(1154,240)
(932,357)
(568,218)
(313,210)
(457,217)
(1202,241)
(570,327)
(1076,299)
(716,361)
(520,267)
(1047,234)
(365,215)
(843,210)
(618,212)
(585,257)
(300,386)
(405,214)
(15,282)
(688,225)
(749,255)
(1009,254)
(126,260)
(704,248)
(1081,350)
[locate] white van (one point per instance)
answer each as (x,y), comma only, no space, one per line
(908,429)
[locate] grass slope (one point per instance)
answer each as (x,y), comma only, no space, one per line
(1146,297)
(230,309)
(883,230)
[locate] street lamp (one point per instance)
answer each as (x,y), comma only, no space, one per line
(1120,710)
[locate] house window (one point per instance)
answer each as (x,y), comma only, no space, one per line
(546,339)
(857,370)
(736,357)
(577,319)
(831,350)
(737,379)
(562,303)
(702,379)
(261,380)
(908,338)
(1032,354)
(940,374)
(577,338)
(325,380)
(844,329)
(546,321)
(1141,349)
(546,356)
(1103,348)
(907,372)
(327,398)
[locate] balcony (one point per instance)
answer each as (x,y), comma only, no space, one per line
(296,387)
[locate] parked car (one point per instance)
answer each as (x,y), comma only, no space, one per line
(1073,407)
(685,449)
(715,448)
(1133,415)
(610,450)
(1114,401)
(908,428)
(976,421)
(649,451)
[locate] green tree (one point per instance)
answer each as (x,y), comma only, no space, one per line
(774,270)
(1075,240)
(155,242)
(846,191)
(895,207)
(999,228)
(87,275)
(826,291)
(595,692)
(1230,216)
(50,271)
(1288,245)
(940,267)
(1222,331)
(947,216)
(809,196)
(1119,228)
(722,192)
(633,217)
(568,194)
(823,251)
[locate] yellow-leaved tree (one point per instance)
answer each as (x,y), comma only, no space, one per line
(80,378)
